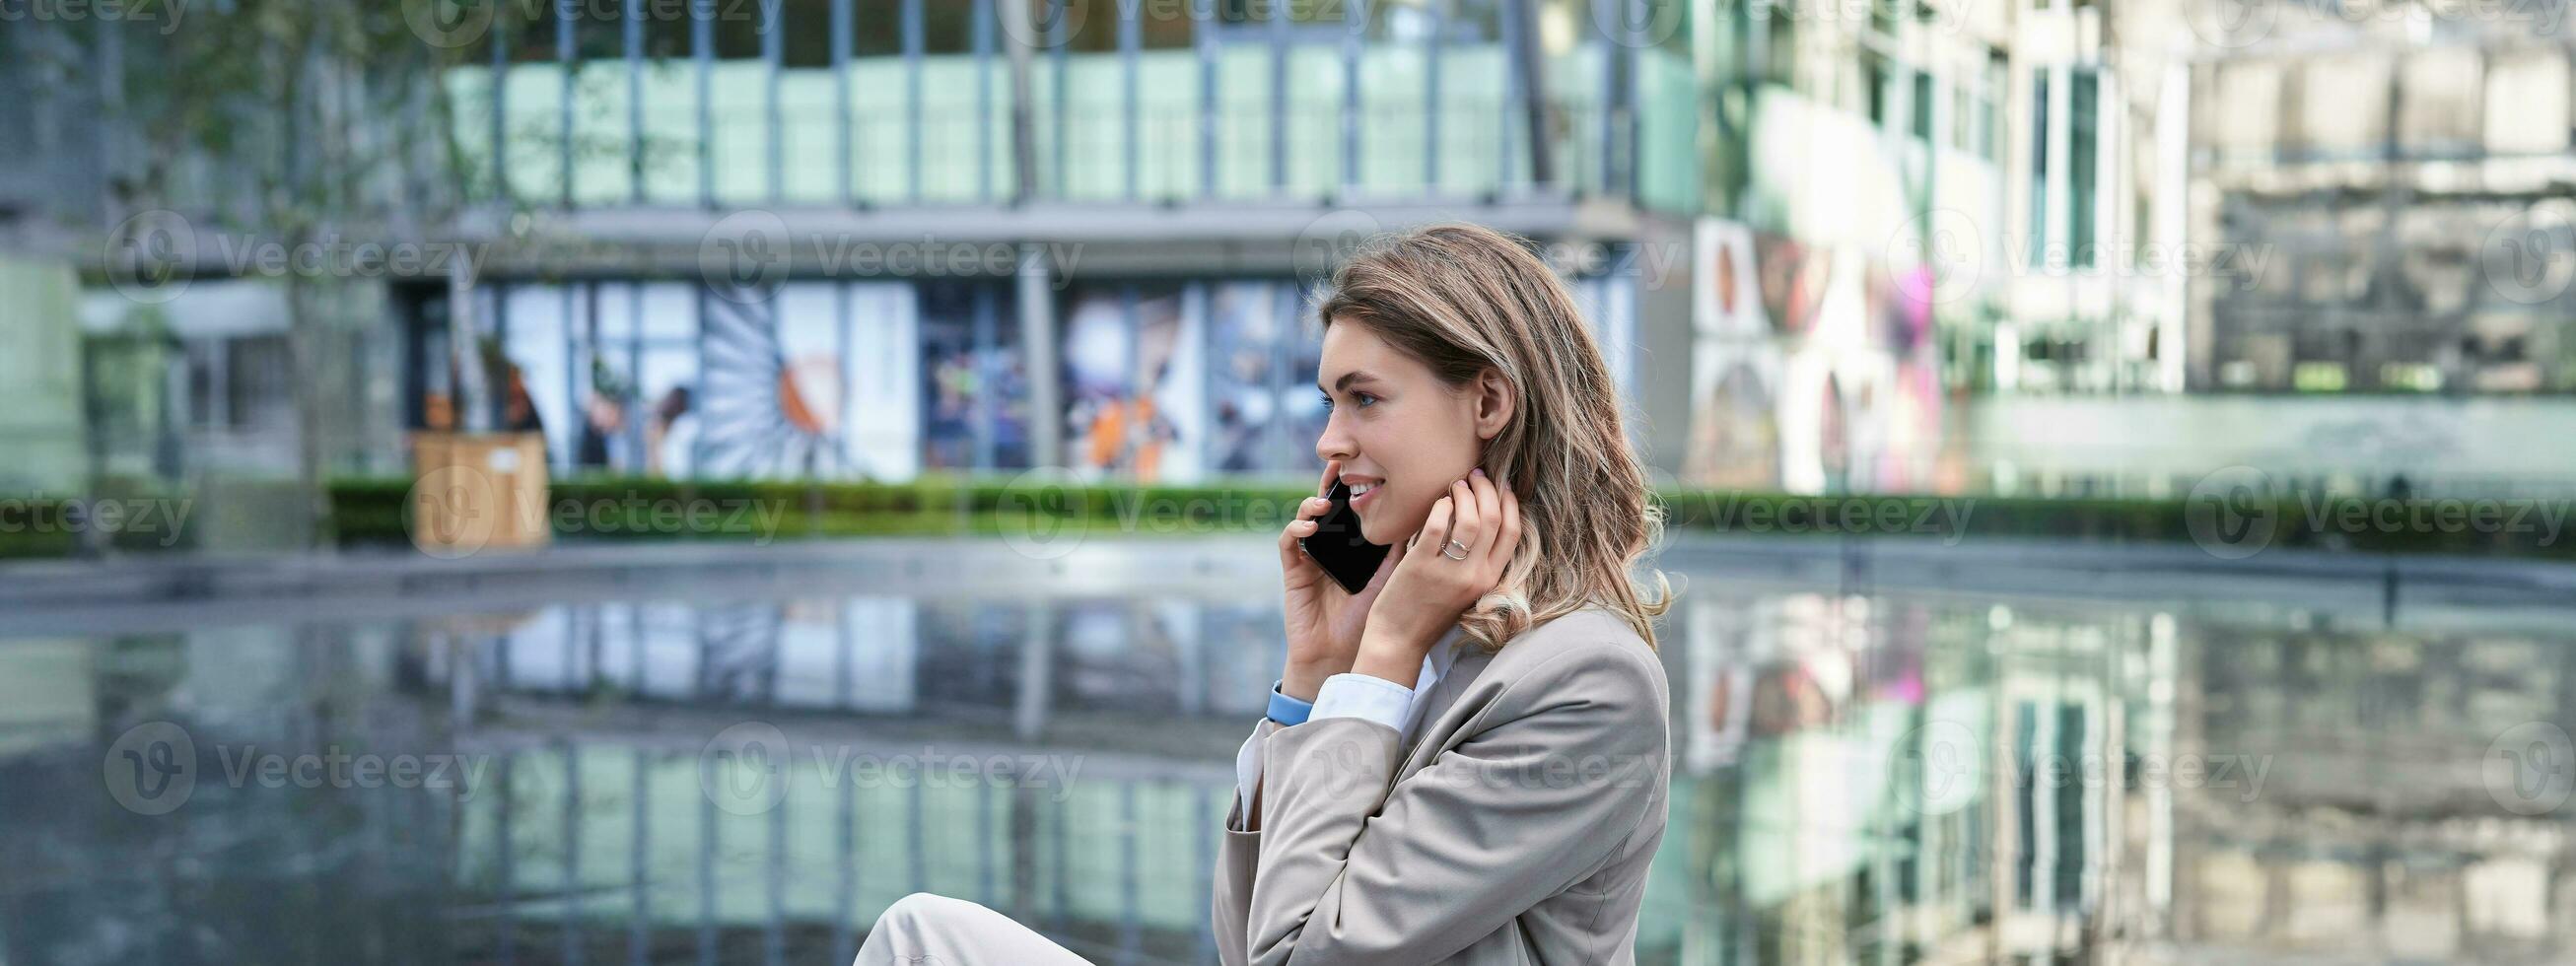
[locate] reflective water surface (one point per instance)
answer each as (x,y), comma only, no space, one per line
(1874,777)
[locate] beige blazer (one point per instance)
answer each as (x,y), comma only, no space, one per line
(1516,827)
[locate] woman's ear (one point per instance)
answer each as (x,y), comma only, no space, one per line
(1494,404)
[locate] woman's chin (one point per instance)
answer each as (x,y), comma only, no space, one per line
(1377,532)
(1369,531)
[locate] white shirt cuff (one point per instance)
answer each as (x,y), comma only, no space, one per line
(1363,696)
(1247,768)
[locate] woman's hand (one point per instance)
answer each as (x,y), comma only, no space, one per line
(1430,588)
(1324,621)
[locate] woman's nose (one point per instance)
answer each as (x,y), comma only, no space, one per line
(1334,444)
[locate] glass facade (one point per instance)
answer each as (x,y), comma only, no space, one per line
(1164,381)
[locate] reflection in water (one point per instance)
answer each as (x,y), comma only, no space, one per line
(1859,779)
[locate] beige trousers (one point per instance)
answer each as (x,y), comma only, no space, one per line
(922,929)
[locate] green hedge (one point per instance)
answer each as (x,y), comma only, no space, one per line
(44,527)
(370,511)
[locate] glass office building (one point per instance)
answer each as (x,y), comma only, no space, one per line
(1135,306)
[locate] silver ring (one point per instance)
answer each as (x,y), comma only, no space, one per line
(1463,550)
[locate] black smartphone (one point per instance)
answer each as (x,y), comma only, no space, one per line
(1338,546)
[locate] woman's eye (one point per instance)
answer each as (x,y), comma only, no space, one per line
(1365,400)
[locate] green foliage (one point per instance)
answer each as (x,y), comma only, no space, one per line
(370,511)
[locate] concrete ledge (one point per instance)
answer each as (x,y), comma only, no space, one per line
(44,596)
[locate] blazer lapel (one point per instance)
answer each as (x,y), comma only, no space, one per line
(1442,715)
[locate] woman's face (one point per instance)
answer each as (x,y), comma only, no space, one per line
(1401,435)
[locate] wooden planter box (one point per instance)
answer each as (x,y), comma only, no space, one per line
(473,492)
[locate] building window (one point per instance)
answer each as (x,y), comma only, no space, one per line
(2039,167)
(1922,107)
(1874,72)
(2082,153)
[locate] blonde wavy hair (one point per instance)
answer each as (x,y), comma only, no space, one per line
(1462,299)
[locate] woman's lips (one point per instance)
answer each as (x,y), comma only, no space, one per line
(1364,498)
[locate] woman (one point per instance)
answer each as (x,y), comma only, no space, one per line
(1465,761)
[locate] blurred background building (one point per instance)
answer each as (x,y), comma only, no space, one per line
(1902,246)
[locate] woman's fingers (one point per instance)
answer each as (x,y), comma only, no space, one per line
(1469,527)
(1304,525)
(1489,505)
(1507,540)
(1436,528)
(1288,536)
(1308,512)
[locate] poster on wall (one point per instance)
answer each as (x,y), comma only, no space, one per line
(1262,357)
(974,378)
(1735,366)
(1134,378)
(1812,368)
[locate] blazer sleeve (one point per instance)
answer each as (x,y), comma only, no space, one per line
(1238,855)
(1553,775)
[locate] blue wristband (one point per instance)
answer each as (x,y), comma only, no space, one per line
(1287,710)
